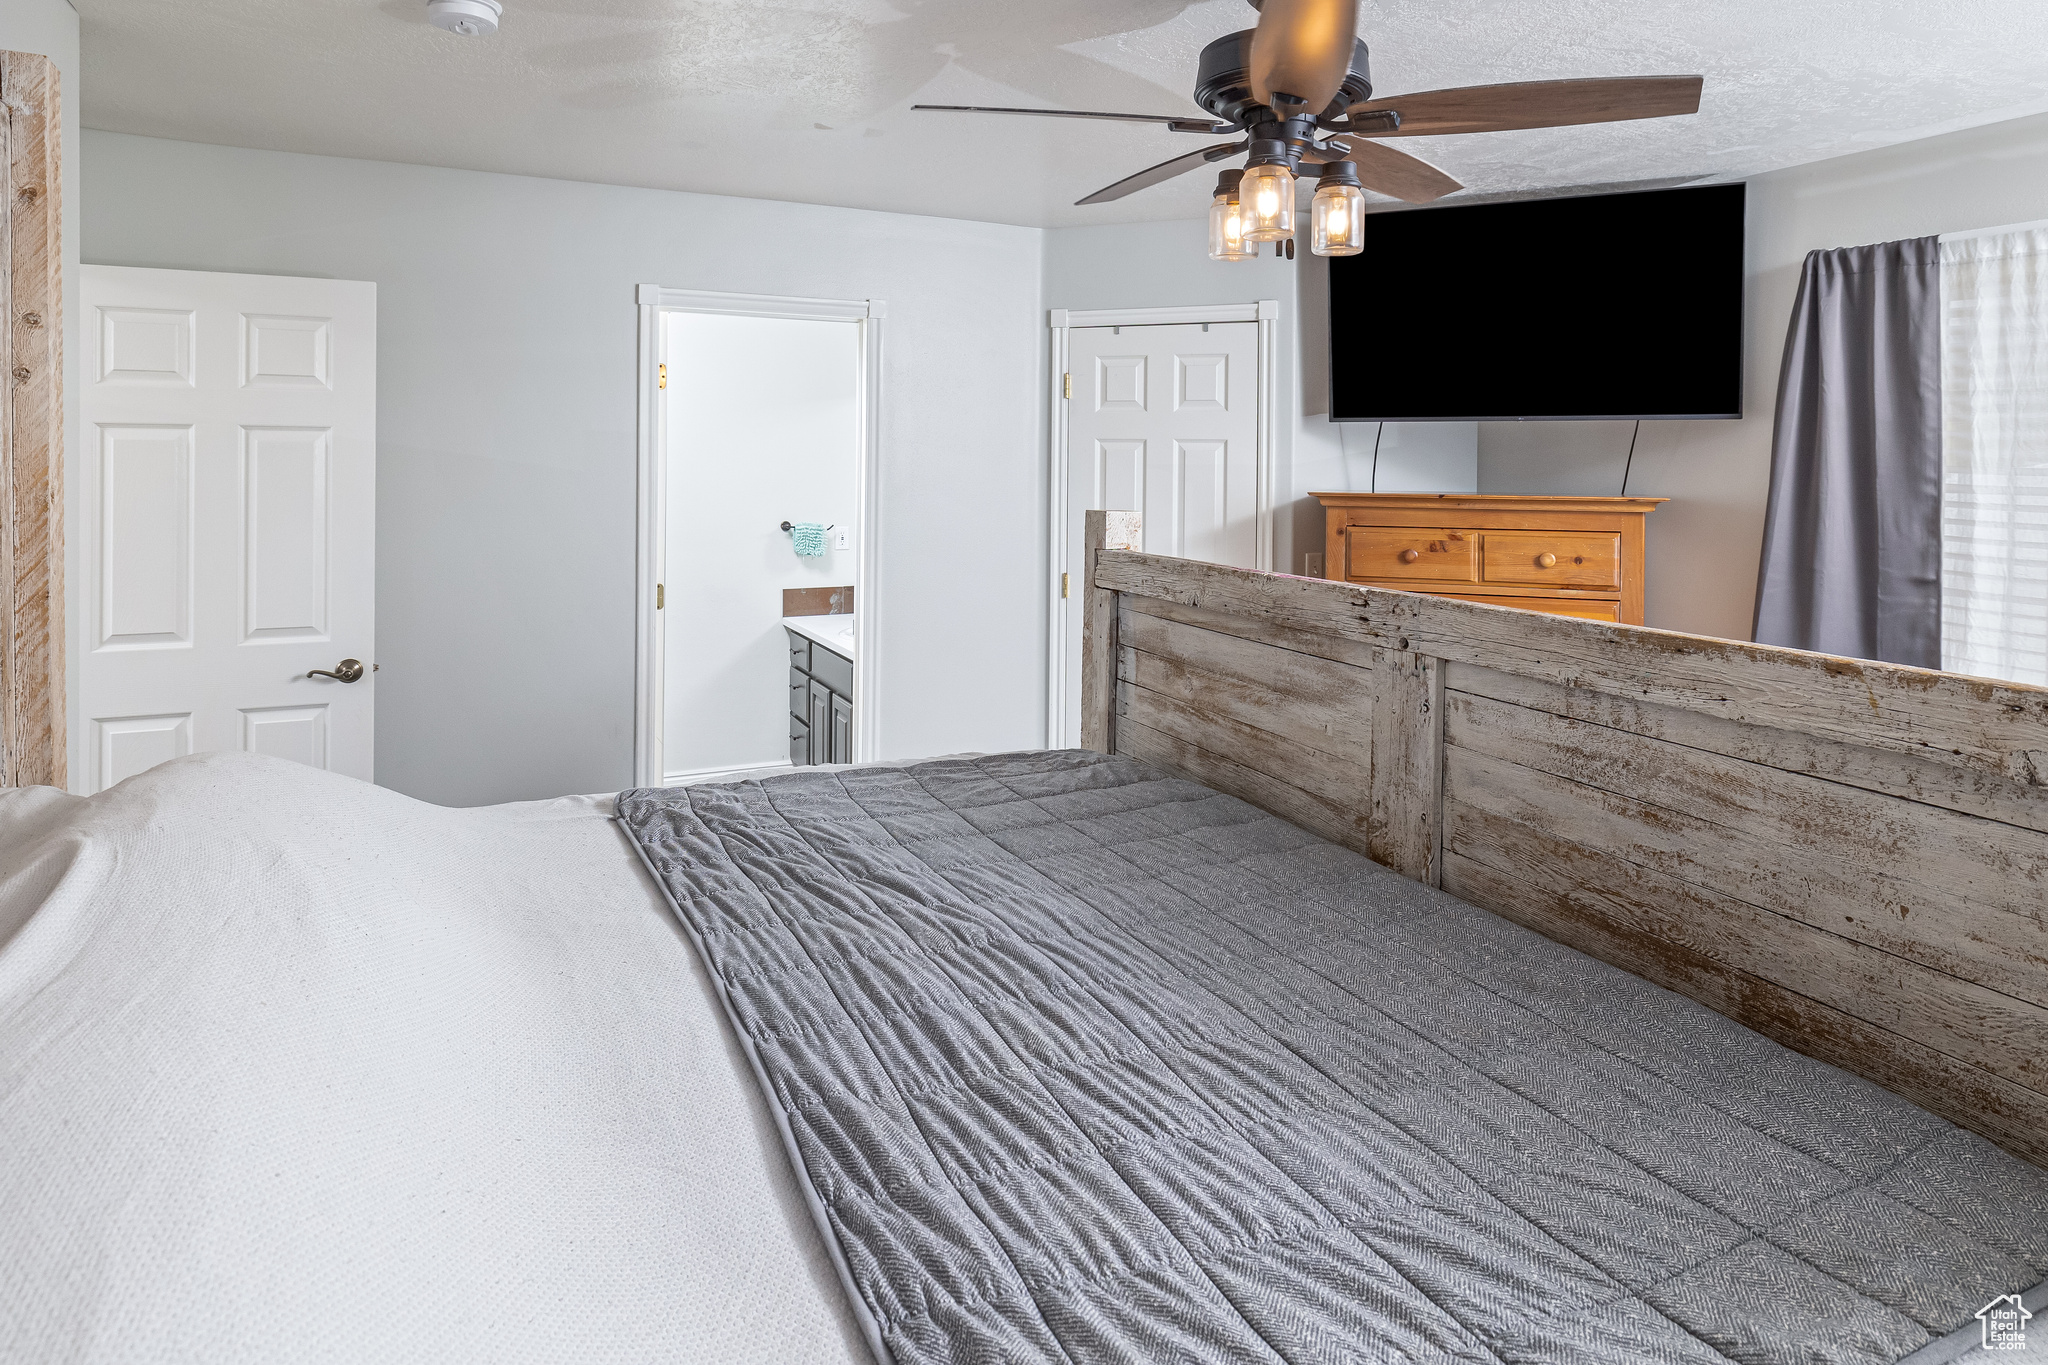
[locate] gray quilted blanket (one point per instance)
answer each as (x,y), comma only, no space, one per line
(1085,1063)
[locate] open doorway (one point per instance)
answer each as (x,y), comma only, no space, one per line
(759,476)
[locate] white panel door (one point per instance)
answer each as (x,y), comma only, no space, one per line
(227,514)
(1163,420)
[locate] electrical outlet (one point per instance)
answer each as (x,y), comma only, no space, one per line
(1312,564)
(841,540)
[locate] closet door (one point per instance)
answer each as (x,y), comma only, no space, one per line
(228,519)
(1163,420)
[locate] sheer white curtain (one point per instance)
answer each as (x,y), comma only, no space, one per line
(1994,512)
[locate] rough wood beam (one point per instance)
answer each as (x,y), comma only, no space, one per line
(1407,767)
(1990,727)
(1100,531)
(1876,770)
(2006,952)
(31,426)
(1314,702)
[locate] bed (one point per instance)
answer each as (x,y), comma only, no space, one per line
(1287,1021)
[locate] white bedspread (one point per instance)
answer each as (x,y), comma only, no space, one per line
(293,1068)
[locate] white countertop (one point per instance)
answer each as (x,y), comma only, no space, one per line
(837,633)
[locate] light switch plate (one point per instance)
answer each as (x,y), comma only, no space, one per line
(1312,564)
(841,540)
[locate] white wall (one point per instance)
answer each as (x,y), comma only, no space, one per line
(506,426)
(1704,544)
(50,27)
(763,428)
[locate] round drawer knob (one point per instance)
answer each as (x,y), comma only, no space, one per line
(1410,556)
(1547,560)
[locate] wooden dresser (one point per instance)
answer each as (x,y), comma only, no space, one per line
(1570,556)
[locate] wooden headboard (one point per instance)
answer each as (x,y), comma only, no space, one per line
(1849,857)
(31,426)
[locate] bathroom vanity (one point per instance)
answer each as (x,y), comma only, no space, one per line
(821,654)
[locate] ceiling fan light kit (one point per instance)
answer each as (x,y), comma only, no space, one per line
(1226,222)
(1297,90)
(1337,214)
(1267,192)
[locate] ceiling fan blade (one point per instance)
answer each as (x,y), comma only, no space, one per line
(1538,104)
(1172,122)
(1393,172)
(1302,49)
(1165,170)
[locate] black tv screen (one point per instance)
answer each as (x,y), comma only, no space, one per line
(1613,305)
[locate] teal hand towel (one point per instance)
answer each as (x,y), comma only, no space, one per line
(808,537)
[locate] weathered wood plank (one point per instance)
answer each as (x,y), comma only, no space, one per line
(1332,647)
(1340,781)
(2012,1116)
(1878,770)
(1316,728)
(1995,1032)
(1966,722)
(1100,530)
(1270,794)
(31,425)
(1324,705)
(2007,953)
(1407,766)
(1948,854)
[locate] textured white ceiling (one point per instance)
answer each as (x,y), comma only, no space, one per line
(809,99)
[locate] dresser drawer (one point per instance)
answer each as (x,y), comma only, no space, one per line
(833,670)
(1585,608)
(1565,559)
(1410,554)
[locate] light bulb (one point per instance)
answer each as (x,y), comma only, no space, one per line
(1268,194)
(1337,219)
(1226,231)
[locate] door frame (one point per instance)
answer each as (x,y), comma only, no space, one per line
(1266,313)
(653,301)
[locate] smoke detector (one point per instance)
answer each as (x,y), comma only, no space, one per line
(470,18)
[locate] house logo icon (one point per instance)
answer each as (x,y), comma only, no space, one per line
(2005,1323)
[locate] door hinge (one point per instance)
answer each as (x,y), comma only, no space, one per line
(664,378)
(660,597)
(1064,578)
(1067,384)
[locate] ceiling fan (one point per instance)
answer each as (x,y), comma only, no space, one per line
(1295,93)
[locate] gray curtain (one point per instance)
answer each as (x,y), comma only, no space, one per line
(1852,540)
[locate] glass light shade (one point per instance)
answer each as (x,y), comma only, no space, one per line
(1337,221)
(1267,194)
(1226,231)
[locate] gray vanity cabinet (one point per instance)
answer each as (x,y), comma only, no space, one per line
(820,703)
(842,729)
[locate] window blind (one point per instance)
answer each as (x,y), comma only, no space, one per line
(1994,511)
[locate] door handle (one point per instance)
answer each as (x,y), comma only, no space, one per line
(348,670)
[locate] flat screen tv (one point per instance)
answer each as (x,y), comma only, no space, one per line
(1605,306)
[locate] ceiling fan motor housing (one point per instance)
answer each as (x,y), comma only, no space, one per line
(1223,82)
